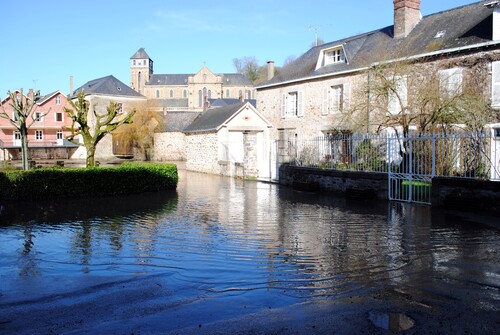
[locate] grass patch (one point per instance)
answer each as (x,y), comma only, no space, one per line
(52,183)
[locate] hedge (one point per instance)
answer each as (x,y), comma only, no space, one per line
(51,183)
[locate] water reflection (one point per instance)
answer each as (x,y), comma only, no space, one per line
(224,248)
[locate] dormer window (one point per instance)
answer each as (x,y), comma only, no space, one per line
(331,56)
(334,56)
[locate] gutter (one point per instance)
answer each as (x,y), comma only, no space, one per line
(429,54)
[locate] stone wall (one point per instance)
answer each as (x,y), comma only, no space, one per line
(202,152)
(169,147)
(353,184)
(466,194)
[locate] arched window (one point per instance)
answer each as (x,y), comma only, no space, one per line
(184,94)
(240,94)
(200,98)
(210,94)
(227,93)
(157,93)
(171,93)
(249,94)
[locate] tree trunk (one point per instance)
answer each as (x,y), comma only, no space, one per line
(24,147)
(90,156)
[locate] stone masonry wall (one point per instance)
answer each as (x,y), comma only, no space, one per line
(202,152)
(358,184)
(170,147)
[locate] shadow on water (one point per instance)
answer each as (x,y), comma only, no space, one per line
(66,210)
(358,206)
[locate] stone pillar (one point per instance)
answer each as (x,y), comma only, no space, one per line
(250,161)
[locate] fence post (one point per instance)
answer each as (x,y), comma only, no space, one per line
(433,155)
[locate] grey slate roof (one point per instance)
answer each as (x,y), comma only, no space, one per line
(212,119)
(235,79)
(462,26)
(42,99)
(214,103)
(140,54)
(178,121)
(107,86)
(228,79)
(169,79)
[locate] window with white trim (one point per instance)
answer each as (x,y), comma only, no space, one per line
(495,84)
(334,56)
(397,95)
(58,100)
(450,81)
(58,117)
(59,135)
(39,135)
(331,55)
(17,136)
(39,116)
(291,105)
(335,99)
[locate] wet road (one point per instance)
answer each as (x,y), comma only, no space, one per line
(225,256)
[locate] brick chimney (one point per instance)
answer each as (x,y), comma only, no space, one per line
(406,16)
(270,70)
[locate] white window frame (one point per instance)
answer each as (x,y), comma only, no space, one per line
(16,137)
(59,135)
(495,84)
(396,104)
(291,106)
(39,116)
(62,116)
(333,55)
(39,135)
(336,98)
(58,100)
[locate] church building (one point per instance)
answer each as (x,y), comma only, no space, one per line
(185,92)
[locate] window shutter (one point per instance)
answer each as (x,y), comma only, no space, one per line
(403,92)
(324,106)
(495,84)
(455,81)
(283,107)
(346,97)
(300,102)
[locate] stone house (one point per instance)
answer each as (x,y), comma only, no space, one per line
(46,133)
(231,140)
(311,96)
(185,92)
(100,92)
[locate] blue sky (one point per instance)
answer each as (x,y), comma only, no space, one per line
(45,42)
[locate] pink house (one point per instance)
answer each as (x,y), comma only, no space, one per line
(46,136)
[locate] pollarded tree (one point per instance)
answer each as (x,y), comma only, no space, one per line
(93,127)
(23,108)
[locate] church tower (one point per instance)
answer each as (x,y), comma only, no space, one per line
(141,70)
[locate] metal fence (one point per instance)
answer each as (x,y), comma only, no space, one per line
(457,153)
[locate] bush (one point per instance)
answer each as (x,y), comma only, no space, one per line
(50,183)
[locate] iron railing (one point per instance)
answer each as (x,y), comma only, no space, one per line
(458,153)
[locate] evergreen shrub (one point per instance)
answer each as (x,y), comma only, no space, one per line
(50,183)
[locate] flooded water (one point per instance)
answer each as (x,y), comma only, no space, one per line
(225,256)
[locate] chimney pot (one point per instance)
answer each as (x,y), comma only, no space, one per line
(270,70)
(406,16)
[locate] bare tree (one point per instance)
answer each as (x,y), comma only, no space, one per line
(93,128)
(23,109)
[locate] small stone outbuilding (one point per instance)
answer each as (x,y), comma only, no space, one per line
(231,141)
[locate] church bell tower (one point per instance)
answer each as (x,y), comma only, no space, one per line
(141,70)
